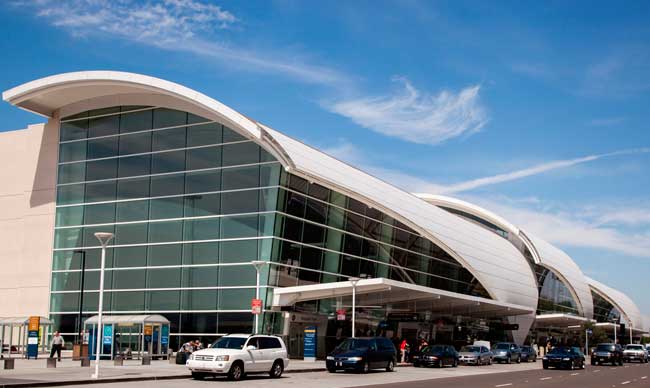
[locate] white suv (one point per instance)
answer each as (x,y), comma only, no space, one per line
(237,354)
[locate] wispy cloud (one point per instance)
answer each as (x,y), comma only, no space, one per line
(415,116)
(535,170)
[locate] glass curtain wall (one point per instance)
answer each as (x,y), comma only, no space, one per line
(554,296)
(603,310)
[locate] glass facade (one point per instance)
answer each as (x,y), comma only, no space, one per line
(603,310)
(192,203)
(554,296)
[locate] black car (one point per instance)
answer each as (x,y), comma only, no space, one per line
(506,352)
(362,355)
(528,353)
(437,356)
(564,358)
(607,353)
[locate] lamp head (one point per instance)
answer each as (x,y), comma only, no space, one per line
(104,237)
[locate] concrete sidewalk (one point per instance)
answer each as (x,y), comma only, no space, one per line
(34,373)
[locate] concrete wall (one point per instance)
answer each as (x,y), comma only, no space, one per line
(28,165)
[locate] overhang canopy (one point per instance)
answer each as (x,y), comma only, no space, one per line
(128,319)
(382,292)
(22,321)
(559,320)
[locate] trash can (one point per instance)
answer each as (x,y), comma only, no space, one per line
(181,358)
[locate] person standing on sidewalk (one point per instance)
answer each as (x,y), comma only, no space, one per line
(57,345)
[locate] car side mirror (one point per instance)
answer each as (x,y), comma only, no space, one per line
(251,347)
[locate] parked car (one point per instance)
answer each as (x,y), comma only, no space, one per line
(437,356)
(506,352)
(236,355)
(607,353)
(564,358)
(362,355)
(635,353)
(528,354)
(475,355)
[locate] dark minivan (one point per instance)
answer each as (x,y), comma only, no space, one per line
(362,355)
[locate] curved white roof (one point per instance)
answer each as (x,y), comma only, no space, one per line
(496,263)
(622,302)
(543,252)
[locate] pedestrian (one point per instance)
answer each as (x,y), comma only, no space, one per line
(402,348)
(197,345)
(57,345)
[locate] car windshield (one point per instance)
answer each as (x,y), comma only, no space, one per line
(560,351)
(354,344)
(472,349)
(503,346)
(433,349)
(605,348)
(229,343)
(634,347)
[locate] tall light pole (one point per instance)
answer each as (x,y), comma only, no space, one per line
(80,325)
(630,333)
(354,282)
(258,266)
(103,238)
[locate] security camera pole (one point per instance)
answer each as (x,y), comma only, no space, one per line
(103,238)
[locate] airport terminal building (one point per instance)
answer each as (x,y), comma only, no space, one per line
(195,192)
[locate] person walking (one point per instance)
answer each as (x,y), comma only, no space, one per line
(403,348)
(57,345)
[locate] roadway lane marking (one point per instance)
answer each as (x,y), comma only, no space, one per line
(597,370)
(574,374)
(644,377)
(545,378)
(625,382)
(503,385)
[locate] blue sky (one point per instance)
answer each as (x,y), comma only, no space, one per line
(535,110)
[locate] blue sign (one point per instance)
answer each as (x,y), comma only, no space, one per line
(32,344)
(310,343)
(164,335)
(108,335)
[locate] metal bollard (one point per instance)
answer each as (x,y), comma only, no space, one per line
(146,360)
(85,362)
(9,363)
(51,362)
(118,361)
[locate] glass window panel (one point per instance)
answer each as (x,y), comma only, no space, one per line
(65,260)
(238,251)
(136,143)
(166,208)
(240,177)
(240,202)
(201,253)
(91,280)
(65,302)
(203,181)
(132,188)
(101,169)
(129,278)
(68,238)
(266,156)
(103,126)
(240,153)
(318,191)
(296,204)
(136,121)
(313,234)
(237,275)
(100,214)
(168,139)
(74,172)
(205,157)
(168,162)
(167,185)
(268,199)
(130,257)
(102,148)
(70,152)
(266,224)
(202,205)
(193,119)
(89,234)
(69,194)
(128,301)
(354,223)
(292,229)
(299,184)
(163,300)
(204,134)
(230,135)
(201,276)
(132,211)
(93,257)
(131,234)
(239,226)
(311,258)
(163,117)
(270,174)
(103,111)
(352,245)
(74,130)
(91,300)
(166,231)
(164,278)
(69,216)
(66,281)
(165,254)
(203,229)
(200,300)
(235,322)
(236,299)
(100,191)
(316,211)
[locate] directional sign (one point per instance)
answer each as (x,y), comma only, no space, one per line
(256,306)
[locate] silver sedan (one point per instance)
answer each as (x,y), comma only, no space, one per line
(475,355)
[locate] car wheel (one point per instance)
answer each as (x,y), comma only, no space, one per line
(582,364)
(455,364)
(365,368)
(508,361)
(416,365)
(490,361)
(198,376)
(391,366)
(519,360)
(331,370)
(545,366)
(276,369)
(620,363)
(593,363)
(236,371)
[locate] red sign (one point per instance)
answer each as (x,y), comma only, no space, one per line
(256,306)
(340,315)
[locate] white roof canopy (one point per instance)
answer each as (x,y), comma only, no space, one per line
(19,321)
(381,292)
(559,320)
(128,319)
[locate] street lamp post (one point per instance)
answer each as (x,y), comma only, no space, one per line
(103,238)
(81,293)
(354,282)
(258,266)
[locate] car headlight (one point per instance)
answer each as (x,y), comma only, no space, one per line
(355,358)
(222,358)
(191,357)
(331,358)
(433,358)
(566,359)
(544,358)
